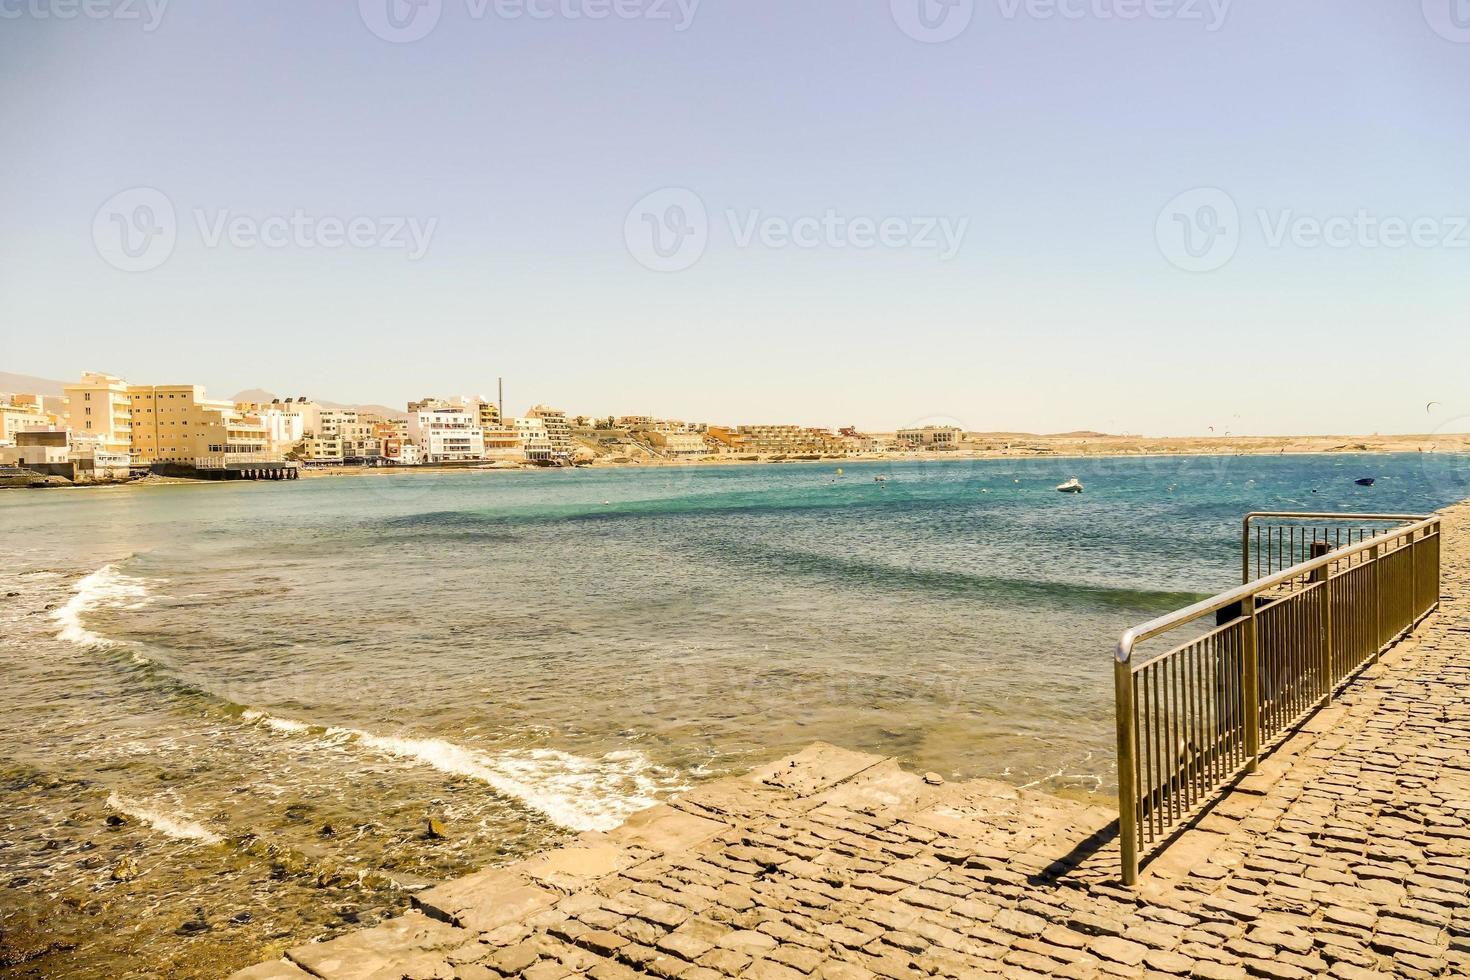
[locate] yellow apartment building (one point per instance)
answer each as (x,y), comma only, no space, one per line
(177,424)
(99,407)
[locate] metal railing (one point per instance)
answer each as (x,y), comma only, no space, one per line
(1196,717)
(1267,548)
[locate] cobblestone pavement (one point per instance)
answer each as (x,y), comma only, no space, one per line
(1346,855)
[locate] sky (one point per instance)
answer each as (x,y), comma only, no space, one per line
(1144,216)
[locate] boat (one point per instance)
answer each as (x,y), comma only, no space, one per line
(1073,485)
(1366,481)
(880,479)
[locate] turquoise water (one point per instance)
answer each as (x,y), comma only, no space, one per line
(269,687)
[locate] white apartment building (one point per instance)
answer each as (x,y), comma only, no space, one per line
(447,435)
(286,422)
(535,441)
(330,422)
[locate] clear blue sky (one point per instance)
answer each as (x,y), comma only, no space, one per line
(1059,139)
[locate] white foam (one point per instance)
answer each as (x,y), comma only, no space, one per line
(106,588)
(576,792)
(179,828)
(285,725)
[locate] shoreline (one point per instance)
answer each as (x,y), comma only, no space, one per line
(1061,449)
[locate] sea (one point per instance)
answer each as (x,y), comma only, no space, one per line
(230,711)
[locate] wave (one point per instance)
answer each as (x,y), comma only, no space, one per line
(573,791)
(883,575)
(284,725)
(106,588)
(446,524)
(177,827)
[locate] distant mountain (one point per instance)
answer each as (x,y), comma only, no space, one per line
(25,384)
(54,392)
(260,395)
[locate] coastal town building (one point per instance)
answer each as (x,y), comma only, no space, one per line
(446,434)
(935,437)
(329,422)
(99,406)
(488,412)
(177,424)
(321,450)
(59,452)
(359,438)
(536,443)
(24,413)
(504,444)
(786,440)
(678,443)
(558,430)
(286,422)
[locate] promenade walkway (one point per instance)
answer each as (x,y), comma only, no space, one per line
(1346,855)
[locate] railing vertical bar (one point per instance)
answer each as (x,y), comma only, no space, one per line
(1137,801)
(1181,740)
(1191,733)
(1146,733)
(1217,741)
(1158,739)
(1171,682)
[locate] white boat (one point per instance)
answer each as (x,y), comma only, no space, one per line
(1073,485)
(880,479)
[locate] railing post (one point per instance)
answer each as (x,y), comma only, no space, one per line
(1438,566)
(1413,580)
(1250,683)
(1127,769)
(1323,576)
(1245,550)
(1377,601)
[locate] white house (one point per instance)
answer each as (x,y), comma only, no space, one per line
(446,435)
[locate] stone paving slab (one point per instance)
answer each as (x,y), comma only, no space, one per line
(1347,855)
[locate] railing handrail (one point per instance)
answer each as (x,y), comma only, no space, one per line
(1339,516)
(1249,519)
(1163,624)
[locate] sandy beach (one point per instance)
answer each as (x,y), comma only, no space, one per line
(1012,445)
